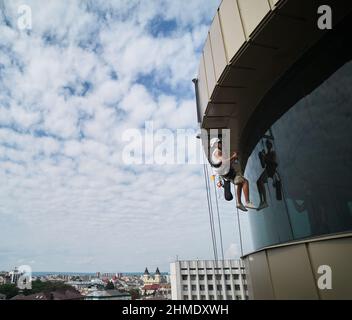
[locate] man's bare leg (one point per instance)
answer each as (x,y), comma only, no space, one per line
(248,204)
(246,190)
(239,196)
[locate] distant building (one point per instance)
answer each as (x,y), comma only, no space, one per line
(208,280)
(150,289)
(108,295)
(54,295)
(149,279)
(159,291)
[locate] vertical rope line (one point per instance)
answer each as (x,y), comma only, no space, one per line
(209,210)
(211,213)
(239,225)
(219,222)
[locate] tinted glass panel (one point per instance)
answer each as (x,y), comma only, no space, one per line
(302,167)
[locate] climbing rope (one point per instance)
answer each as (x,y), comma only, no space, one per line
(212,225)
(210,210)
(239,225)
(219,221)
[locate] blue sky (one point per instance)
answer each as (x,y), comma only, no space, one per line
(87,71)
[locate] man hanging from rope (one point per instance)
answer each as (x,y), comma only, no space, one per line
(230,169)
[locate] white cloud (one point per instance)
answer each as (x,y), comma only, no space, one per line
(68,90)
(232,252)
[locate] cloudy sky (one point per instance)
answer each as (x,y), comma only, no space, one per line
(85,73)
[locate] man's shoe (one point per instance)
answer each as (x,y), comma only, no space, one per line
(262,205)
(241,207)
(250,205)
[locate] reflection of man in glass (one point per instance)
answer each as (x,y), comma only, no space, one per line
(269,163)
(230,169)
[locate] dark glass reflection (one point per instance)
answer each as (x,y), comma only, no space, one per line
(312,146)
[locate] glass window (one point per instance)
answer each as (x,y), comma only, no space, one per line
(228,287)
(237,287)
(185,297)
(202,287)
(193,277)
(300,170)
(218,277)
(194,288)
(184,277)
(210,277)
(210,287)
(219,287)
(201,277)
(185,287)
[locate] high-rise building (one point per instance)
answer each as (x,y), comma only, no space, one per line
(278,74)
(208,280)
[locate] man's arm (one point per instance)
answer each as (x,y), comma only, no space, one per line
(218,155)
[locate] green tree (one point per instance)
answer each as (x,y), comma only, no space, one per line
(135,294)
(9,290)
(47,286)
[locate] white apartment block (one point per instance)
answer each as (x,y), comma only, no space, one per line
(208,280)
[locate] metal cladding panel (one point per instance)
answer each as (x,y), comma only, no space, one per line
(209,67)
(221,110)
(336,254)
(217,47)
(252,12)
(202,87)
(259,285)
(291,273)
(232,28)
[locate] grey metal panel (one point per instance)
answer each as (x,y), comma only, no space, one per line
(209,66)
(252,13)
(221,109)
(269,53)
(232,28)
(216,122)
(217,47)
(336,253)
(291,273)
(202,87)
(260,286)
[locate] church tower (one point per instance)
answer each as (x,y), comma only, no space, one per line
(146,275)
(157,276)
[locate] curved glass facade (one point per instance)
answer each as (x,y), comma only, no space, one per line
(302,166)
